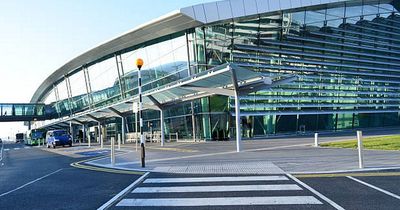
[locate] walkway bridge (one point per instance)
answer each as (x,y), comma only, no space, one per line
(18,112)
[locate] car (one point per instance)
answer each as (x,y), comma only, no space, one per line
(58,138)
(1,141)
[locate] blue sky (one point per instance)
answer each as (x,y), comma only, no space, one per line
(37,37)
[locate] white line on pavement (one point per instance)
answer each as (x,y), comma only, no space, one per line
(6,149)
(31,182)
(374,187)
(332,203)
(223,201)
(216,179)
(123,192)
(17,148)
(230,188)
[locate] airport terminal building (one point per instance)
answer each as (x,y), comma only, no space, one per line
(289,65)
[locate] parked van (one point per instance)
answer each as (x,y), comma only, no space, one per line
(58,138)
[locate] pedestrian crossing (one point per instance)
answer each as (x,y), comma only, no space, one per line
(161,190)
(16,148)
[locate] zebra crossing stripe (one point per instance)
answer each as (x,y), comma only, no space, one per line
(221,201)
(216,179)
(6,149)
(229,188)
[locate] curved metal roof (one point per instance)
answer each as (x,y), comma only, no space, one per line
(177,21)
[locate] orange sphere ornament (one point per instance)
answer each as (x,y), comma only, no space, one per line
(139,63)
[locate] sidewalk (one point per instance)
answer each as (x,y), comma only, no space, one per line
(268,156)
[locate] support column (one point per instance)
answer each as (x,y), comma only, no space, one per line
(237,110)
(88,136)
(71,130)
(100,135)
(162,127)
(193,122)
(83,133)
(237,123)
(123,129)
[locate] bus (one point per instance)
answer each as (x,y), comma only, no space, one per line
(20,137)
(34,137)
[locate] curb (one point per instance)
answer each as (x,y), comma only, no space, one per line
(81,165)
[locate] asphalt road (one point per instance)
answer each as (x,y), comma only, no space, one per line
(31,178)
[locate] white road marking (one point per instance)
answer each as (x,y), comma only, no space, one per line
(6,149)
(223,201)
(230,188)
(27,147)
(31,182)
(17,148)
(216,179)
(374,187)
(316,192)
(123,192)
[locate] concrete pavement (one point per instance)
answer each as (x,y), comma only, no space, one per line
(268,156)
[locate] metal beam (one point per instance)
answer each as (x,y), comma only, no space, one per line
(77,122)
(218,91)
(160,107)
(93,118)
(155,102)
(115,111)
(265,84)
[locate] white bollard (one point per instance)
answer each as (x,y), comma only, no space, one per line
(119,141)
(360,150)
(112,151)
(316,140)
(88,138)
(136,140)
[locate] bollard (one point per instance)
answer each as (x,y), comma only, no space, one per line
(88,139)
(142,155)
(136,142)
(360,152)
(316,140)
(119,141)
(113,151)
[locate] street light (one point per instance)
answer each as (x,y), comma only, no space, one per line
(139,64)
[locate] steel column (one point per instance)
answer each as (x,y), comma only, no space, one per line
(237,110)
(123,129)
(193,122)
(100,135)
(84,133)
(71,130)
(121,88)
(162,127)
(237,123)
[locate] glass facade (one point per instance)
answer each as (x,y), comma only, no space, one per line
(346,57)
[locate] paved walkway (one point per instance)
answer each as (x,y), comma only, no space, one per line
(268,156)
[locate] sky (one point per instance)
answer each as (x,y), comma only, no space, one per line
(37,37)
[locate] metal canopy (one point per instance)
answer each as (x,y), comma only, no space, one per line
(226,79)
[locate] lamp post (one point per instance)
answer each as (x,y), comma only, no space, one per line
(139,64)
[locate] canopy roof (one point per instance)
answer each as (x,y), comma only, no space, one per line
(226,79)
